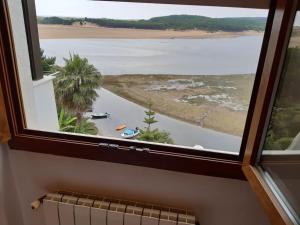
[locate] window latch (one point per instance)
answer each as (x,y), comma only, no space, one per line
(118,147)
(134,148)
(109,146)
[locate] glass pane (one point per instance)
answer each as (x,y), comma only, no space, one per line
(281,155)
(171,74)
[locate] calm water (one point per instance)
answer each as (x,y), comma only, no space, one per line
(237,55)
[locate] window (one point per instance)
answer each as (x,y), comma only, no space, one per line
(281,155)
(34,68)
(271,162)
(180,75)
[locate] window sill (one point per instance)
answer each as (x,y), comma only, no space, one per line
(45,79)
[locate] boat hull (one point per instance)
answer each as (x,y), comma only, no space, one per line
(131,135)
(100,116)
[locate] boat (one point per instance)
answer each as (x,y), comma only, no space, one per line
(199,147)
(130,133)
(100,115)
(121,127)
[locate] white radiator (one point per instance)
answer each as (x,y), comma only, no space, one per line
(78,209)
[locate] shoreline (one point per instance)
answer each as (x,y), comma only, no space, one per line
(77,32)
(204,114)
(132,115)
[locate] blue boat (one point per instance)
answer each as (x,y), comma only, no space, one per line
(130,133)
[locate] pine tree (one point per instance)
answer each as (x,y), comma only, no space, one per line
(150,117)
(153,135)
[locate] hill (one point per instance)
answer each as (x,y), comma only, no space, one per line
(174,22)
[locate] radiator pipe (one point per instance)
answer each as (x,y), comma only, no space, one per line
(37,203)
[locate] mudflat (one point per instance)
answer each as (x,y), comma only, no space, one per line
(218,102)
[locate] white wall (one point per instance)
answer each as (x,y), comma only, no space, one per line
(215,200)
(10,208)
(45,104)
(22,55)
(38,97)
(3,220)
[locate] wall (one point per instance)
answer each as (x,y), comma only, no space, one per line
(23,62)
(45,104)
(10,208)
(215,200)
(3,220)
(38,97)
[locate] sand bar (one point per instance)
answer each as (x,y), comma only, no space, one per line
(73,31)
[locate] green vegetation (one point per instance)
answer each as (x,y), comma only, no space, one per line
(56,20)
(86,127)
(47,62)
(75,86)
(285,120)
(150,117)
(67,123)
(75,90)
(153,135)
(156,136)
(174,22)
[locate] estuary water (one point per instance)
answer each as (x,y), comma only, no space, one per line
(218,56)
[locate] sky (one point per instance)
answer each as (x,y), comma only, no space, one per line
(125,10)
(297,19)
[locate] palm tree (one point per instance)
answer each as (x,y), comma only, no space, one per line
(75,87)
(67,123)
(86,127)
(47,62)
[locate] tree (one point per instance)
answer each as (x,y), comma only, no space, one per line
(75,86)
(47,62)
(156,136)
(67,123)
(86,127)
(150,117)
(153,135)
(285,118)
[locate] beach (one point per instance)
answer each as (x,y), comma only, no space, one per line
(91,31)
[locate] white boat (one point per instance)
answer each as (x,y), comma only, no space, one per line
(100,115)
(199,147)
(130,133)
